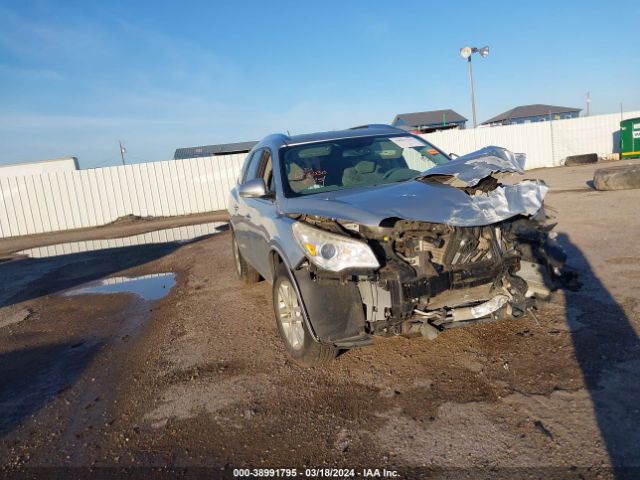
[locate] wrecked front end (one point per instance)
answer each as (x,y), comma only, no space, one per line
(431,276)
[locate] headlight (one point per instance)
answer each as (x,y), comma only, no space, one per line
(333,252)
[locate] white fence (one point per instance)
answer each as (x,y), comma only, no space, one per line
(545,143)
(84,198)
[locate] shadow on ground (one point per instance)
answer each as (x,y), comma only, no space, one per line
(31,377)
(607,349)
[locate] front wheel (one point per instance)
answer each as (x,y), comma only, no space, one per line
(295,334)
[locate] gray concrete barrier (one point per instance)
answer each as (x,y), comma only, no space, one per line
(617,178)
(581,159)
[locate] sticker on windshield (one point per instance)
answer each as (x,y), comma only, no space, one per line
(407,142)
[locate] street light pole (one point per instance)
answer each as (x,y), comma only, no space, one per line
(122,151)
(466,52)
(473,97)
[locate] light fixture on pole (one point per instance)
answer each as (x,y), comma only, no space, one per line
(466,52)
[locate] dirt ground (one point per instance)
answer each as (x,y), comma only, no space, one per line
(201,379)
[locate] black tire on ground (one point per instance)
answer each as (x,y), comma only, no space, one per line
(617,178)
(245,272)
(297,339)
(581,159)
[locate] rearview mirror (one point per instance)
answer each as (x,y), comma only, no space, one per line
(253,189)
(453,156)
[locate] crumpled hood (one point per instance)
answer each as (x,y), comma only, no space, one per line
(434,202)
(469,169)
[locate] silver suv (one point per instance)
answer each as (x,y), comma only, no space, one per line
(374,231)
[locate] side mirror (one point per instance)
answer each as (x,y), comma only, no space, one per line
(453,156)
(253,189)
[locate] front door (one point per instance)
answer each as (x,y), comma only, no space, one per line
(260,213)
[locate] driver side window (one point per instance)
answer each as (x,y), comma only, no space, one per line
(251,171)
(267,171)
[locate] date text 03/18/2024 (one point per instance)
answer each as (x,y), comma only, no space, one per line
(314,473)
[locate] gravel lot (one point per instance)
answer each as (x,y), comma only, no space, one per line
(200,377)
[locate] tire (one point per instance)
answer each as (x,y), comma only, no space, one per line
(245,272)
(581,159)
(295,334)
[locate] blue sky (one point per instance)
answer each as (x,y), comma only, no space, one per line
(77,76)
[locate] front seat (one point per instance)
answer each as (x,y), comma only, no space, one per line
(365,172)
(298,178)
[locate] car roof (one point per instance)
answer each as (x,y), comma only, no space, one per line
(279,139)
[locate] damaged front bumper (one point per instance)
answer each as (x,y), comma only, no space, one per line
(433,276)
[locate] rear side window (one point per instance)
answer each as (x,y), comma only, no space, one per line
(251,171)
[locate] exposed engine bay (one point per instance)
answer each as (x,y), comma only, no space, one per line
(446,276)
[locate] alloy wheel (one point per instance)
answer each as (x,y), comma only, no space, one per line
(290,315)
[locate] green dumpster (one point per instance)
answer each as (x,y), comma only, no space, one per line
(630,138)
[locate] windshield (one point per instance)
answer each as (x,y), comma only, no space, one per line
(355,162)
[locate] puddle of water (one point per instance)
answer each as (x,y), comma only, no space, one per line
(177,234)
(150,287)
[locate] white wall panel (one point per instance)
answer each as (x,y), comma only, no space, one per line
(38,168)
(44,224)
(21,199)
(68,205)
(5,221)
(83,214)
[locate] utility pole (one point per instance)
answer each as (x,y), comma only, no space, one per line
(588,102)
(122,151)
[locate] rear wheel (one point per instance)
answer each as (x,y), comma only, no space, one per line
(295,334)
(246,272)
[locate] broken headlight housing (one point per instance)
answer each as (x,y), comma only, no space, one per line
(333,252)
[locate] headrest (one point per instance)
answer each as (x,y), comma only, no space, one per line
(295,172)
(365,166)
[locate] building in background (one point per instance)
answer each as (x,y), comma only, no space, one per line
(532,113)
(210,150)
(426,122)
(38,167)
